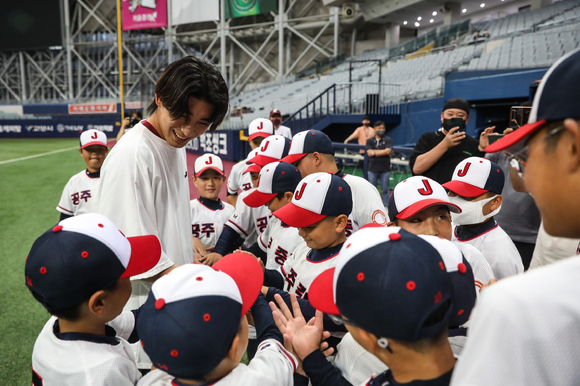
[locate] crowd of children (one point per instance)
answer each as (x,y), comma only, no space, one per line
(309,274)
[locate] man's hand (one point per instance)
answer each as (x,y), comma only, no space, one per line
(453,137)
(210,259)
(484,138)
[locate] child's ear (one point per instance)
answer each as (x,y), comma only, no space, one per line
(97,303)
(341,222)
(288,196)
(496,202)
(233,353)
(81,151)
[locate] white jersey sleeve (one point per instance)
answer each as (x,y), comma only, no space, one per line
(367,203)
(249,222)
(238,180)
(124,324)
(356,363)
(550,249)
(278,241)
(144,190)
(207,224)
(272,366)
(524,330)
(482,272)
(80,195)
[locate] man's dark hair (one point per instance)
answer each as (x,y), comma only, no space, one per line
(191,77)
(137,113)
(378,123)
(366,117)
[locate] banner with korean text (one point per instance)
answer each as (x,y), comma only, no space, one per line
(141,14)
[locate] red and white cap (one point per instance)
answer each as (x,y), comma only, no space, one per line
(208,161)
(272,149)
(275,112)
(318,195)
(260,127)
(276,177)
(199,309)
(93,137)
(475,176)
(252,168)
(307,142)
(415,194)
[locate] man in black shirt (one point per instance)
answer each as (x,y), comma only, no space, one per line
(379,150)
(436,154)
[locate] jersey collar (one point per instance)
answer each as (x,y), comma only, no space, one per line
(109,338)
(211,204)
(320,255)
(470,232)
(93,175)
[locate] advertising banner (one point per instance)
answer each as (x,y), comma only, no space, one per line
(92,108)
(240,8)
(142,14)
(224,143)
(194,11)
(57,128)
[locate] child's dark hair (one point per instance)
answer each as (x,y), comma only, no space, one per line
(71,314)
(191,77)
(379,123)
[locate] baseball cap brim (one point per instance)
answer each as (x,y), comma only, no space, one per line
(94,143)
(320,293)
(246,272)
(258,134)
(257,198)
(291,158)
(464,189)
(419,206)
(252,168)
(145,254)
(262,160)
(296,216)
(514,138)
(221,172)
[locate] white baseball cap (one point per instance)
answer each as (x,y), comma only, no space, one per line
(475,176)
(208,161)
(252,167)
(415,194)
(260,127)
(272,149)
(93,137)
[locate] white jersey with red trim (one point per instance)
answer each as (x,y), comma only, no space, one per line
(249,222)
(72,359)
(482,272)
(272,366)
(285,131)
(238,180)
(207,224)
(278,241)
(80,195)
(499,251)
(367,204)
(299,271)
(524,331)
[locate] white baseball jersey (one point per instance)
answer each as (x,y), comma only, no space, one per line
(524,331)
(207,224)
(482,272)
(278,241)
(272,365)
(237,180)
(79,195)
(550,249)
(367,205)
(304,265)
(249,222)
(72,359)
(499,251)
(285,131)
(144,190)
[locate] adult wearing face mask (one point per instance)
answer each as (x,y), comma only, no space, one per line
(276,119)
(436,154)
(379,151)
(362,134)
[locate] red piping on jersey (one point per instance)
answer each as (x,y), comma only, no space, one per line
(283,350)
(474,237)
(260,238)
(478,283)
(320,261)
(237,226)
(150,127)
(70,211)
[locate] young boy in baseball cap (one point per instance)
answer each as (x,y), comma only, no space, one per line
(311,151)
(194,327)
(208,213)
(80,192)
(476,188)
(79,271)
(392,292)
(257,130)
(276,185)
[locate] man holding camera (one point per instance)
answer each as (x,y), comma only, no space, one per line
(436,154)
(128,123)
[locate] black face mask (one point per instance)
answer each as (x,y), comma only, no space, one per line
(380,133)
(447,125)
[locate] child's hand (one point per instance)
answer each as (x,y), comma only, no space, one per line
(198,247)
(210,259)
(308,339)
(287,323)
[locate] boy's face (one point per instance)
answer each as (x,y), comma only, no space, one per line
(119,297)
(486,208)
(326,233)
(306,165)
(278,203)
(209,184)
(254,176)
(434,221)
(94,157)
(243,333)
(175,131)
(256,142)
(454,113)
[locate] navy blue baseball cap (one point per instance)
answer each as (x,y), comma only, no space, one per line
(82,255)
(394,284)
(275,177)
(556,99)
(475,176)
(192,314)
(307,142)
(272,149)
(317,196)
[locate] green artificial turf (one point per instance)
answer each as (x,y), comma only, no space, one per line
(29,192)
